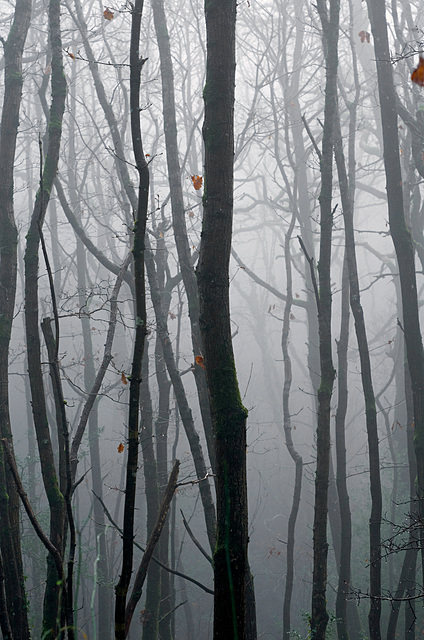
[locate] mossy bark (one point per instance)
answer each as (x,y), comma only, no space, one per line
(401,235)
(228,413)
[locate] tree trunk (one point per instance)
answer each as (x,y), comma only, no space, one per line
(367,386)
(136,64)
(178,213)
(319,618)
(294,454)
(54,496)
(228,413)
(10,545)
(151,618)
(401,236)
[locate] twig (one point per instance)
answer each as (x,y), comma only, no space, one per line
(57,557)
(313,276)
(46,257)
(151,544)
(194,539)
(168,613)
(107,357)
(311,137)
(142,549)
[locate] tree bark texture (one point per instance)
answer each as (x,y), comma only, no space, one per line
(54,496)
(228,413)
(10,548)
(401,234)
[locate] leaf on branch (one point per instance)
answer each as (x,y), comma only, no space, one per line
(365,36)
(197,182)
(199,361)
(417,75)
(120,447)
(71,55)
(190,214)
(108,14)
(124,378)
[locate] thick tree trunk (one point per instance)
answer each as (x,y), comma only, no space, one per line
(10,546)
(228,413)
(54,496)
(401,235)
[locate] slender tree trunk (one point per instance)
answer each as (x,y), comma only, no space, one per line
(407,578)
(104,592)
(345,519)
(183,406)
(319,618)
(151,618)
(161,430)
(295,456)
(178,212)
(136,64)
(366,378)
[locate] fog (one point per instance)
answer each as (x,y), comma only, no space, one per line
(85,217)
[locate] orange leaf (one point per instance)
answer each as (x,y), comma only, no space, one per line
(199,361)
(120,447)
(197,182)
(124,378)
(71,55)
(365,36)
(417,75)
(108,14)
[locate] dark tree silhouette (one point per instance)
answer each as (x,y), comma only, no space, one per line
(228,413)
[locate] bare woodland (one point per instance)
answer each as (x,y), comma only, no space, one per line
(211,359)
